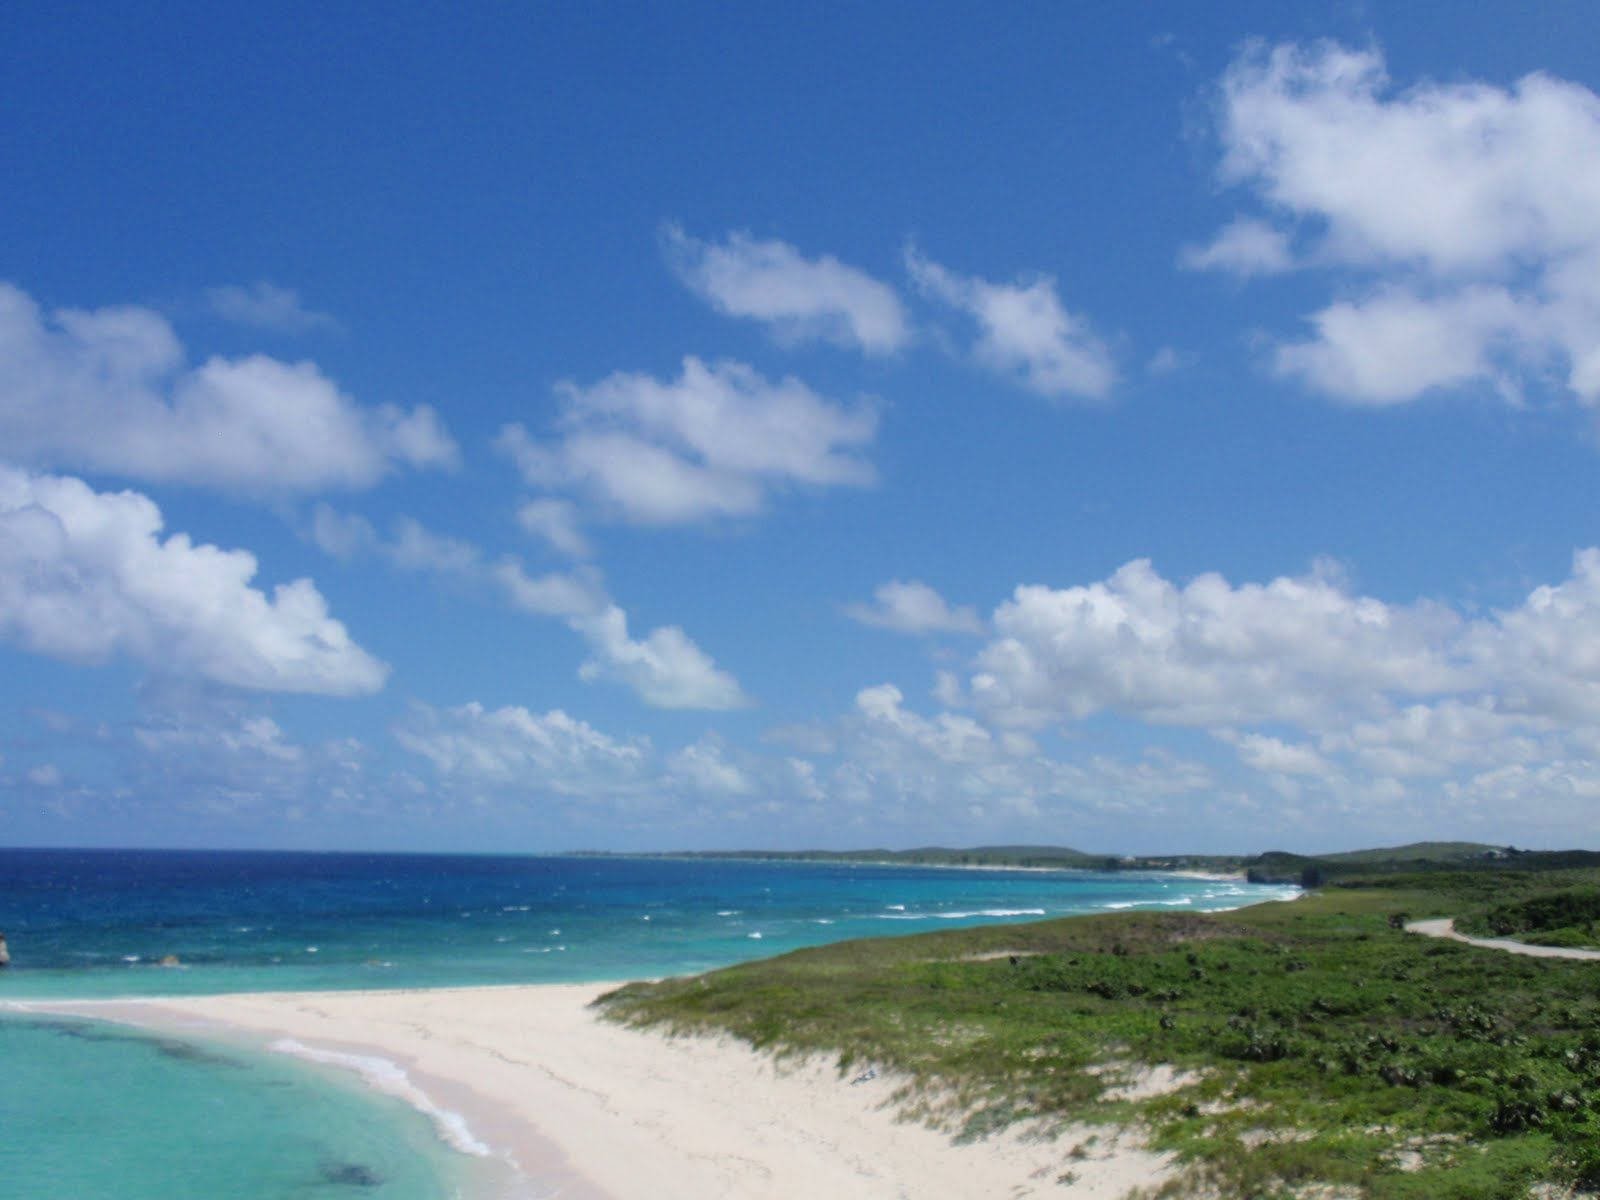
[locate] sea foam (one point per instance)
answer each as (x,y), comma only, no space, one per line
(388,1077)
(966,915)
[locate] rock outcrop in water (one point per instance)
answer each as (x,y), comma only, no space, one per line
(5,954)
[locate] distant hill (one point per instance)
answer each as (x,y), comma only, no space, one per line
(1421,851)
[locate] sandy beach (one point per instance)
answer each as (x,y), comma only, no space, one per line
(592,1110)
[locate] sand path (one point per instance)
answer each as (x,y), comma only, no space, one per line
(1445,927)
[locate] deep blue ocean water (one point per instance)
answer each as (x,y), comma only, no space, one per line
(91,1109)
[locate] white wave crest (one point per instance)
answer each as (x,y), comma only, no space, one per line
(961,916)
(387,1077)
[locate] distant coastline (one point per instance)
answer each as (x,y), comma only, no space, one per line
(1271,866)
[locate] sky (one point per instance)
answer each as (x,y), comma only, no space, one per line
(520,428)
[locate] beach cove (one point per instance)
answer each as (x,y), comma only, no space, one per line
(518,1087)
(585,1109)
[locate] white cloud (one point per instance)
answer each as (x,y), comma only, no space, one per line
(85,576)
(411,546)
(1024,331)
(1393,345)
(1301,649)
(534,752)
(913,607)
(949,737)
(46,776)
(264,305)
(200,751)
(1244,247)
(665,668)
(704,768)
(1544,655)
(1470,213)
(948,771)
(109,391)
(1401,714)
(248,735)
(799,298)
(565,594)
(1276,756)
(1438,739)
(555,522)
(713,443)
(1544,802)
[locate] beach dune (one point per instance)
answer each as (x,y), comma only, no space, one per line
(592,1110)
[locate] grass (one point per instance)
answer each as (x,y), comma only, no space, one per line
(1323,1047)
(1553,918)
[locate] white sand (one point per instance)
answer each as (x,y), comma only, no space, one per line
(601,1111)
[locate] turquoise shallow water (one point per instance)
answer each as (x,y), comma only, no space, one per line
(97,1110)
(94,1110)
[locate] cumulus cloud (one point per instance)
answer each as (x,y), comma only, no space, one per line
(1276,756)
(1208,652)
(207,756)
(1334,697)
(86,576)
(1464,218)
(1392,345)
(800,298)
(665,668)
(550,751)
(955,772)
(110,391)
(705,769)
(263,305)
(1439,738)
(1024,331)
(913,607)
(713,443)
(949,737)
(1544,655)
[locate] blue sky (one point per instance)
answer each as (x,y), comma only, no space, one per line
(1143,428)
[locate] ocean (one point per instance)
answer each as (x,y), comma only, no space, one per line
(91,1108)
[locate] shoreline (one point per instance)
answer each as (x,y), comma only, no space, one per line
(586,1109)
(1239,876)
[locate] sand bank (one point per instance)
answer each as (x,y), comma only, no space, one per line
(596,1111)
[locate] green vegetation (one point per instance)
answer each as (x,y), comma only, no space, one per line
(1275,866)
(1561,918)
(1323,1051)
(1043,857)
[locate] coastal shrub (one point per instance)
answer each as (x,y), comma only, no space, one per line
(1315,1018)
